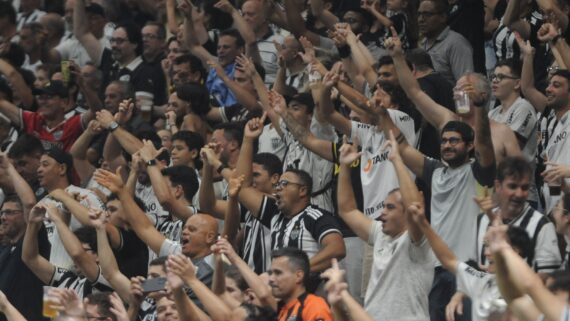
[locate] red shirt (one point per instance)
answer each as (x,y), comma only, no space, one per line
(63,135)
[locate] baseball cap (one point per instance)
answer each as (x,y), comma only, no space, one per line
(54,88)
(302,98)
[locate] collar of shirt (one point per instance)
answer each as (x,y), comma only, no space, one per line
(133,64)
(442,35)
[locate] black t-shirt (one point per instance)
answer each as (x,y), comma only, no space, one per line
(22,288)
(132,255)
(467,17)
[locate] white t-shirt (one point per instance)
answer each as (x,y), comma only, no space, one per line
(71,49)
(376,171)
(481,287)
(558,151)
(271,142)
(400,279)
(58,254)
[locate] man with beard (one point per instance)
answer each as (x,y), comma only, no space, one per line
(454,181)
(556,152)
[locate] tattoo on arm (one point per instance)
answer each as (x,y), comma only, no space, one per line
(299,132)
(400,138)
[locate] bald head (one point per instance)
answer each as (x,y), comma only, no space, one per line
(200,233)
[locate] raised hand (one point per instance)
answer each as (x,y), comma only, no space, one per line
(348,152)
(218,68)
(53,212)
(112,182)
(94,127)
(181,266)
(38,213)
(334,284)
(330,79)
(98,218)
(555,172)
(234,185)
(417,212)
(392,145)
(526,48)
(225,6)
(186,7)
(547,32)
(173,282)
(254,127)
(477,97)
(148,152)
(487,205)
(117,307)
(65,301)
(105,118)
(394,44)
(496,237)
(246,65)
(224,247)
(137,293)
(277,102)
(308,55)
(125,112)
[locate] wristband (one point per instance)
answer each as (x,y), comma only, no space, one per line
(151,162)
(555,39)
(221,168)
(113,126)
(344,51)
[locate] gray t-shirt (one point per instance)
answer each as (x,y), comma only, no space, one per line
(401,277)
(453,211)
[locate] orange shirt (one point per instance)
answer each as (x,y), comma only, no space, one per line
(314,309)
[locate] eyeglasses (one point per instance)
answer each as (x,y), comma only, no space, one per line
(452,141)
(428,14)
(9,212)
(118,41)
(501,77)
(283,183)
(552,69)
(149,37)
(350,20)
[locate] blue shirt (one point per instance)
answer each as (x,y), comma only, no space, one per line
(218,88)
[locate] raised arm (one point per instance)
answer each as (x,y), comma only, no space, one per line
(244,97)
(320,12)
(107,260)
(190,34)
(183,267)
(17,83)
(21,187)
(232,217)
(329,114)
(297,23)
(83,261)
(433,112)
(79,151)
(303,134)
(127,140)
(159,185)
(440,249)
(80,212)
(81,32)
(260,288)
(41,267)
(208,201)
(534,96)
(513,21)
(355,219)
(549,33)
(484,151)
(408,188)
(187,310)
(140,223)
(11,112)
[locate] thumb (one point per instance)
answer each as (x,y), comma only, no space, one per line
(460,309)
(394,32)
(263,118)
(118,171)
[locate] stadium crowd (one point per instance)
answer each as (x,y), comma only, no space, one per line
(265,160)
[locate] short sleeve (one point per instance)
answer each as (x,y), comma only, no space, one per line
(375,232)
(485,176)
(320,224)
(267,210)
(405,123)
(430,165)
(468,278)
(547,256)
(523,120)
(169,247)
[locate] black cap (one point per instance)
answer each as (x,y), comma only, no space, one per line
(95,8)
(54,88)
(60,156)
(302,98)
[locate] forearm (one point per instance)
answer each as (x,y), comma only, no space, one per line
(245,98)
(444,255)
(186,308)
(127,140)
(206,191)
(353,95)
(231,220)
(536,98)
(280,77)
(17,83)
(11,111)
(12,314)
(80,26)
(322,260)
(109,266)
(92,98)
(111,149)
(30,251)
(511,13)
(79,148)
(345,192)
(80,212)
(294,18)
(23,190)
(171,20)
(385,21)
(245,160)
(219,279)
(564,50)
(483,143)
(215,307)
(257,285)
(361,61)
(508,290)
(354,309)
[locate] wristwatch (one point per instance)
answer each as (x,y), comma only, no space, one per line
(221,168)
(151,162)
(114,125)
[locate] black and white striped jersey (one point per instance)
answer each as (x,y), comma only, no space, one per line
(304,231)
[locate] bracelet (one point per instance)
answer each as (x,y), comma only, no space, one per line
(221,168)
(555,39)
(344,51)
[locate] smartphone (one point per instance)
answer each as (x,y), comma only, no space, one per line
(154,284)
